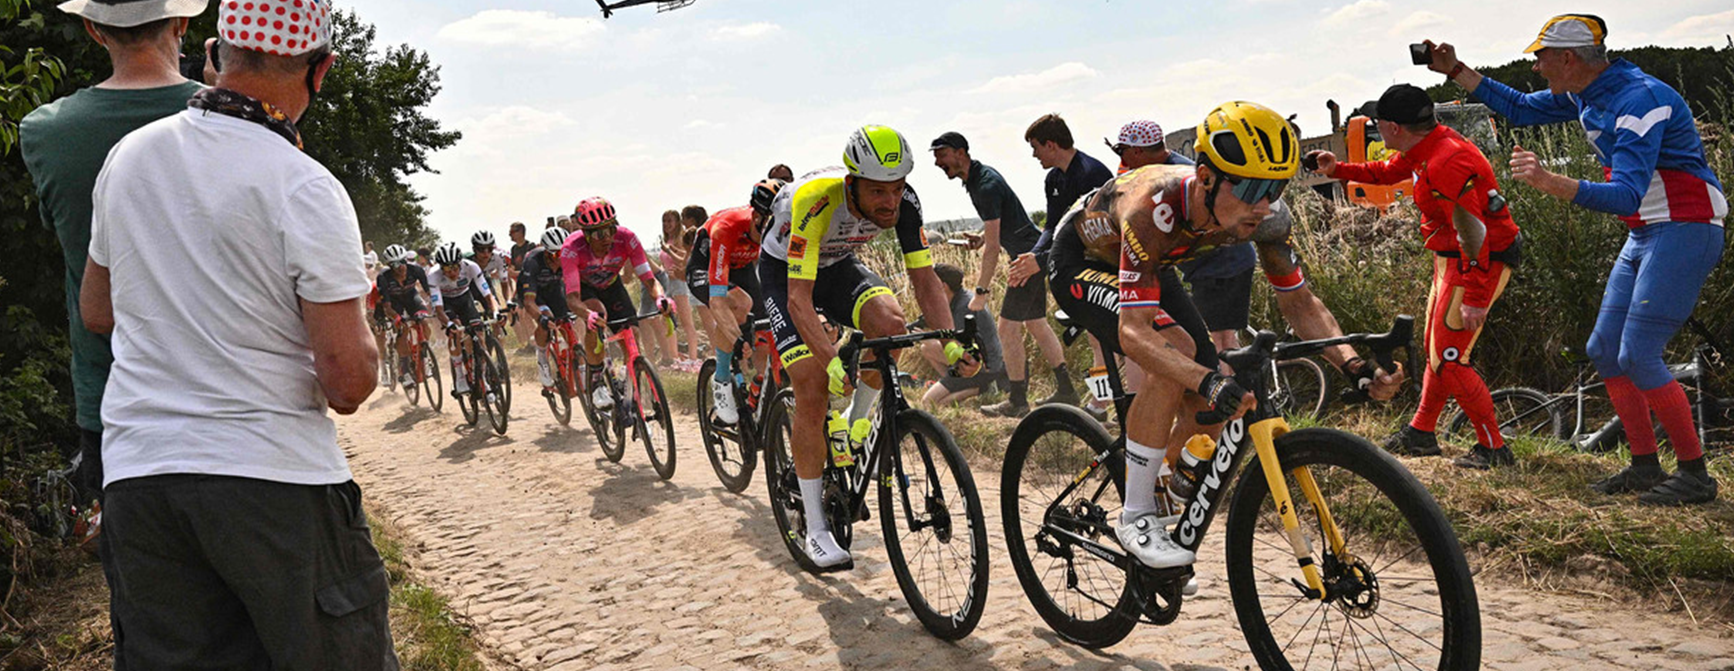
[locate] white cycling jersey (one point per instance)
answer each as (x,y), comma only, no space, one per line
(469,275)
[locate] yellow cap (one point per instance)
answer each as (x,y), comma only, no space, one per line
(1567,31)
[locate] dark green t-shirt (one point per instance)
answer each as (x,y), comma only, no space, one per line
(64,144)
(994,199)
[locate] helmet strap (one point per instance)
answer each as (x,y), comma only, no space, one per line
(1211,193)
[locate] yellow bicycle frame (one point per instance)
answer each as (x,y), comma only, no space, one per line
(1264,434)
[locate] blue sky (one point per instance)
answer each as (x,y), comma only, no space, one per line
(656,111)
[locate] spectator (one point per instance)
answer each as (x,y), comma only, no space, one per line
(238,534)
(369,259)
(782,172)
(675,249)
(64,144)
(1006,225)
(951,388)
(1661,186)
(526,326)
(565,221)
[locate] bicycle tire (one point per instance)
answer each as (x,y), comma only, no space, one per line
(934,607)
(503,366)
(600,427)
(1521,411)
(467,401)
(1305,387)
(730,459)
(781,485)
(412,391)
(560,403)
(653,418)
(431,385)
(388,367)
(1051,430)
(612,437)
(1355,477)
(493,401)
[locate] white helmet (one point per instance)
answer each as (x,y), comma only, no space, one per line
(395,253)
(553,238)
(448,254)
(482,239)
(878,153)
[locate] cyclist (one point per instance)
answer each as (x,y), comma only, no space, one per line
(398,291)
(543,290)
(1149,220)
(460,286)
(723,273)
(807,265)
(495,264)
(590,261)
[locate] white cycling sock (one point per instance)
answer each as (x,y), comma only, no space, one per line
(1143,463)
(861,403)
(812,502)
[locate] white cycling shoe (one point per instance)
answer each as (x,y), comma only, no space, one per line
(547,376)
(1147,539)
(722,396)
(602,398)
(826,555)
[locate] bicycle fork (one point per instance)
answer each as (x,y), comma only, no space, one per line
(1264,434)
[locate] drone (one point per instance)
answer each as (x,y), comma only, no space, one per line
(661,5)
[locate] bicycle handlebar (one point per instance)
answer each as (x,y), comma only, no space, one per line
(633,320)
(851,350)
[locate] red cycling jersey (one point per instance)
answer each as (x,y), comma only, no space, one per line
(731,243)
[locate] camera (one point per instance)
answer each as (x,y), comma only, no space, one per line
(193,67)
(1421,54)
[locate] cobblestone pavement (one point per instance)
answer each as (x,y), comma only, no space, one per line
(566,561)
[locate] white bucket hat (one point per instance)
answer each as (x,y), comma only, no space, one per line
(129,13)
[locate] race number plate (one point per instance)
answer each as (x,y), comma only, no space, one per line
(1098,382)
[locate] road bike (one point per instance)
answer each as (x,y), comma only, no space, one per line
(1568,415)
(422,364)
(733,450)
(1335,553)
(1298,387)
(644,410)
(563,365)
(929,511)
(485,374)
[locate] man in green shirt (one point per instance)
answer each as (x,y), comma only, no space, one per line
(64,145)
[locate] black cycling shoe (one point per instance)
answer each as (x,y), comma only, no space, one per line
(1482,458)
(1633,478)
(1412,442)
(1683,488)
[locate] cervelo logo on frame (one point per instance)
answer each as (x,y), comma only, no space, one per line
(1233,435)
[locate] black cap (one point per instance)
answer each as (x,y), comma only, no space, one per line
(951,139)
(1402,103)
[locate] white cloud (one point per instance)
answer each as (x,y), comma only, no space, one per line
(1036,82)
(701,124)
(749,31)
(517,121)
(1702,29)
(501,27)
(1357,13)
(1413,26)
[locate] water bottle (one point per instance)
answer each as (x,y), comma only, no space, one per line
(1199,449)
(837,429)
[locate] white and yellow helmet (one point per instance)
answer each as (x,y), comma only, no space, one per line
(878,153)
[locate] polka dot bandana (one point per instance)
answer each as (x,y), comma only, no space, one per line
(276,27)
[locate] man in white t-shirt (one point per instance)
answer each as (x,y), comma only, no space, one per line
(238,534)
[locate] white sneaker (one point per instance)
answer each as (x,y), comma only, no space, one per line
(408,380)
(547,375)
(722,395)
(602,398)
(823,551)
(1147,539)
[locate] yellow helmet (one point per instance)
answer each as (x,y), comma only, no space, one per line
(1248,140)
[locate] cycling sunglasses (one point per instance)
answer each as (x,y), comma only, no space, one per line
(1250,190)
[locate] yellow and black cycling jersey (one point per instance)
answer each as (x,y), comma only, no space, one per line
(812,227)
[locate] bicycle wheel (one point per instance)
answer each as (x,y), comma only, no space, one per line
(781,484)
(601,423)
(491,395)
(431,385)
(1400,594)
(503,369)
(388,367)
(1300,388)
(467,401)
(940,557)
(654,424)
(1521,411)
(729,456)
(412,391)
(561,402)
(612,435)
(1077,593)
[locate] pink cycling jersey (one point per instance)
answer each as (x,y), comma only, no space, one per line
(580,267)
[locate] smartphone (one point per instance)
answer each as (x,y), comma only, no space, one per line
(1420,54)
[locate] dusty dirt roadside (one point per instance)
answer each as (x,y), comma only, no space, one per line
(567,561)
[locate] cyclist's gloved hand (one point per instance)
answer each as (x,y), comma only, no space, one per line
(839,378)
(664,304)
(962,360)
(594,322)
(1224,395)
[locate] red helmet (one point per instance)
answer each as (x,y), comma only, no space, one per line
(594,212)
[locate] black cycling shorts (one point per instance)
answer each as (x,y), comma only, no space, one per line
(1090,294)
(1027,302)
(1225,302)
(551,296)
(839,291)
(616,303)
(462,308)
